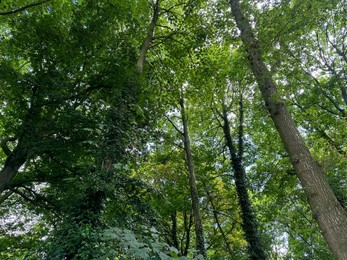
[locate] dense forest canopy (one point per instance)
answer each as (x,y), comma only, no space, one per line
(173,129)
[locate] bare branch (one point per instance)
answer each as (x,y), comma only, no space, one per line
(173,124)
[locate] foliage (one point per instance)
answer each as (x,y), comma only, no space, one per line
(105,174)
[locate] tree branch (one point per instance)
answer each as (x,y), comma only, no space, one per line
(240,133)
(332,142)
(36,199)
(23,8)
(6,196)
(4,146)
(173,124)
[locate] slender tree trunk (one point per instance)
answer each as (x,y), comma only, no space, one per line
(216,219)
(326,210)
(249,222)
(174,238)
(149,38)
(187,227)
(199,233)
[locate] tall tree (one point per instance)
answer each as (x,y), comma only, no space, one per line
(249,222)
(75,115)
(199,231)
(327,211)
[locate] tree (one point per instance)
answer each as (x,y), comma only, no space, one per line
(76,113)
(122,134)
(327,211)
(199,232)
(249,222)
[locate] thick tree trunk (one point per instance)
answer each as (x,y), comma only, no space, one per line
(13,162)
(249,223)
(199,233)
(326,210)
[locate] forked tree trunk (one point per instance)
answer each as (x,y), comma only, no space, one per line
(149,38)
(249,222)
(199,233)
(326,210)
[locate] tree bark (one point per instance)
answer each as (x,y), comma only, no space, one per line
(12,164)
(149,38)
(187,227)
(249,222)
(174,238)
(199,233)
(326,210)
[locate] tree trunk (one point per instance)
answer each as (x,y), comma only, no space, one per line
(326,210)
(249,222)
(187,222)
(13,162)
(147,42)
(174,238)
(199,233)
(216,220)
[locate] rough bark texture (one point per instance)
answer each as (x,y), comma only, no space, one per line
(249,223)
(149,38)
(326,210)
(199,233)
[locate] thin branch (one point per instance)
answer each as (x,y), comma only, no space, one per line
(338,51)
(24,8)
(240,133)
(219,114)
(306,241)
(172,7)
(165,26)
(332,142)
(6,196)
(328,110)
(173,124)
(35,200)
